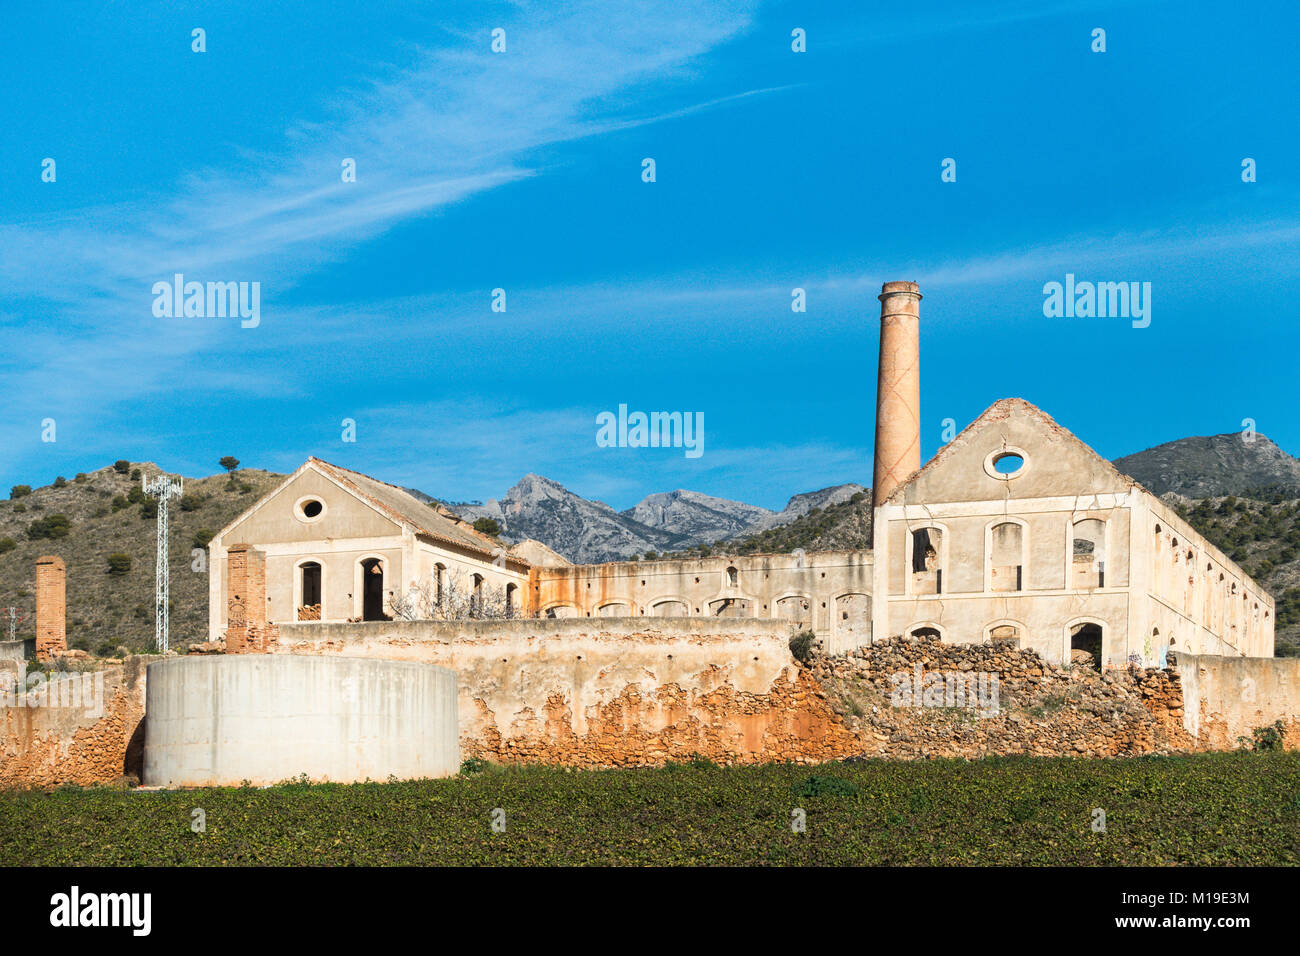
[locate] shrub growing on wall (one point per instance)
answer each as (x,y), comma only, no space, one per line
(801,646)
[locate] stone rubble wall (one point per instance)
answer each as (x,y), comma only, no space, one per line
(1042,709)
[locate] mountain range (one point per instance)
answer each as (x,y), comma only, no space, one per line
(587,531)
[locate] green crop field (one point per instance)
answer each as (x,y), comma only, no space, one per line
(1234,808)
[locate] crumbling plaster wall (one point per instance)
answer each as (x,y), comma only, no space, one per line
(1228,698)
(45,745)
(609,692)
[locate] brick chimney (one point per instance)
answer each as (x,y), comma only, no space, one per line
(898,389)
(51,607)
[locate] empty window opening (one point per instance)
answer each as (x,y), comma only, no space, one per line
(733,577)
(510,599)
(1088,554)
(670,608)
(729,607)
(310,606)
(1005,632)
(439,582)
(927,567)
(372,590)
(1085,645)
(1008,464)
(1006,557)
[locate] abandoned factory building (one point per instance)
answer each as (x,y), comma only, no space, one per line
(1015,529)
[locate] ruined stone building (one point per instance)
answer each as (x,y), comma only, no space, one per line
(1015,529)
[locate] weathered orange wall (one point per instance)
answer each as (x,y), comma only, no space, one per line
(45,746)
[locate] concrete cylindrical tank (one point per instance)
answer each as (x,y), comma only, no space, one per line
(898,389)
(219,721)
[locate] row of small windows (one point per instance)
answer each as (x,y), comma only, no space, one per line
(372,591)
(1006,557)
(1210,596)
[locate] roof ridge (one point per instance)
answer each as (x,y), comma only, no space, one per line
(486,542)
(1006,405)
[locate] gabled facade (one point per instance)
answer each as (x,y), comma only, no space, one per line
(340,545)
(1018,529)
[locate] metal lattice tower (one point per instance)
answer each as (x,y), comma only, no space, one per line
(15,616)
(164,488)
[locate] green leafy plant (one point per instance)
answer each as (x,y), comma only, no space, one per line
(801,646)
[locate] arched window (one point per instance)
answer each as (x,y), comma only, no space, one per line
(372,590)
(1088,554)
(309,603)
(1003,631)
(510,599)
(1085,644)
(1006,557)
(733,577)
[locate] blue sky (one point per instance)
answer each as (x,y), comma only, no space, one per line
(522,170)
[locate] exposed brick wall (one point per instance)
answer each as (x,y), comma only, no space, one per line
(51,607)
(248,631)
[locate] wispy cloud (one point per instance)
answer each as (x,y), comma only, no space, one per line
(452,123)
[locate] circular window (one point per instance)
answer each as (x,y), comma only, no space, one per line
(309,509)
(1005,463)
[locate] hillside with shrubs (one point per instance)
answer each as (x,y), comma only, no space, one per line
(103,526)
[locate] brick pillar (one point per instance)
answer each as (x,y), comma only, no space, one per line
(245,599)
(51,607)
